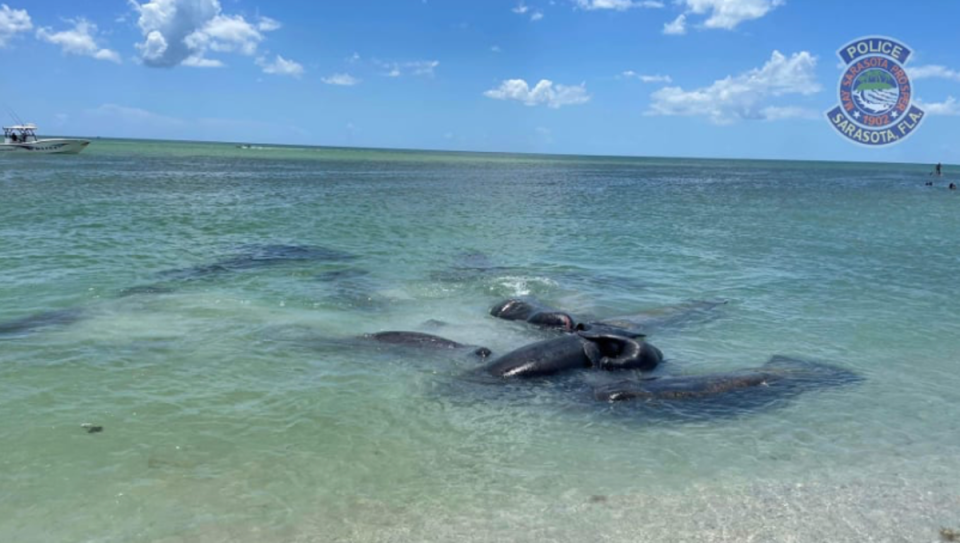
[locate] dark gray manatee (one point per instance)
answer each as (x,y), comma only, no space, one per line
(621,349)
(668,316)
(421,340)
(518,309)
(255,256)
(597,348)
(731,392)
(46,319)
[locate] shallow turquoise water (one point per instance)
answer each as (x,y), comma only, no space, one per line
(239,406)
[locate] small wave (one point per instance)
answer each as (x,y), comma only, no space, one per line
(522,286)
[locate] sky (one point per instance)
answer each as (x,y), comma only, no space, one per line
(686,78)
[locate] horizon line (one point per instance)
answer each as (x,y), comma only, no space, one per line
(466,151)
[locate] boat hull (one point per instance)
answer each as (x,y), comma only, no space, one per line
(45,147)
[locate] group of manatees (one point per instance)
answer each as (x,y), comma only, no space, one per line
(616,346)
(619,344)
(247,257)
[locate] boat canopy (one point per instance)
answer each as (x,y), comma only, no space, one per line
(20,133)
(30,127)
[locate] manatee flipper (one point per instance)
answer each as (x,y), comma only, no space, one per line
(808,374)
(592,351)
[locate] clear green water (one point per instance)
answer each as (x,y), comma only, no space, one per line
(238,406)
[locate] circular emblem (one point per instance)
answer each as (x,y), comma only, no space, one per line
(875,93)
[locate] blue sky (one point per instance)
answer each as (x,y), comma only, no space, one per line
(704,78)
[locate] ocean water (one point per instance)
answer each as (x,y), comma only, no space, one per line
(237,402)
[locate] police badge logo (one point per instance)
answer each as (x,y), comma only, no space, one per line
(875,93)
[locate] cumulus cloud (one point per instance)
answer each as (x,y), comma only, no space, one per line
(267,24)
(280,66)
(12,22)
(677,27)
(725,14)
(343,80)
(80,40)
(544,93)
(630,74)
(742,97)
(950,106)
(183,32)
(617,5)
(523,9)
(417,67)
(925,72)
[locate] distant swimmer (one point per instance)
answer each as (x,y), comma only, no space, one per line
(939,169)
(953,186)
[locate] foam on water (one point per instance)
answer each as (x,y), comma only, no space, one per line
(243,406)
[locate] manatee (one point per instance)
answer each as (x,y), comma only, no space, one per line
(545,358)
(145,289)
(667,316)
(422,340)
(46,319)
(340,275)
(519,309)
(730,392)
(253,256)
(621,350)
(600,348)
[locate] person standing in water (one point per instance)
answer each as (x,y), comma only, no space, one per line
(938,169)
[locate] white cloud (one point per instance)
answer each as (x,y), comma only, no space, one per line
(416,67)
(343,80)
(677,27)
(523,9)
(12,22)
(78,41)
(950,106)
(617,5)
(280,66)
(741,97)
(185,31)
(727,14)
(267,24)
(544,93)
(924,72)
(200,62)
(630,74)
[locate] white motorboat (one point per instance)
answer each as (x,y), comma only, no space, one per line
(22,138)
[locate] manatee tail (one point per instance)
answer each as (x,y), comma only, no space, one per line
(813,373)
